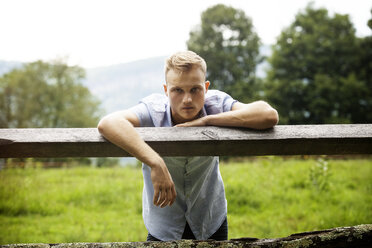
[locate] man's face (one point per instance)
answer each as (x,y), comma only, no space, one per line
(186,92)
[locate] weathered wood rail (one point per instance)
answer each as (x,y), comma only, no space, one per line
(342,237)
(192,141)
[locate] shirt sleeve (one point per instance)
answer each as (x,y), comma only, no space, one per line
(227,102)
(143,114)
(218,101)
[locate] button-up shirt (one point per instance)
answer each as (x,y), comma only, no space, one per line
(200,191)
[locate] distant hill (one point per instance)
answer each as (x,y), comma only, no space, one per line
(123,85)
(118,86)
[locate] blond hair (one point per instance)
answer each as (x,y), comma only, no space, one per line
(184,62)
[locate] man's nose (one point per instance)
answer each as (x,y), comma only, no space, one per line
(187,98)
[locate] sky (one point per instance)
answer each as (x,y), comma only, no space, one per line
(92,33)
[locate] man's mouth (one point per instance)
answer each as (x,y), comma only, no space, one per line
(187,108)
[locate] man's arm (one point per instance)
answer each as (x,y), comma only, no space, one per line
(257,115)
(118,128)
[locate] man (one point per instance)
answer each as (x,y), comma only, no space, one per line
(183,197)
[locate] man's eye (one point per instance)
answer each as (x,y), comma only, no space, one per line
(178,90)
(194,90)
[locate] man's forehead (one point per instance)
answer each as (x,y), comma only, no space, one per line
(181,85)
(196,74)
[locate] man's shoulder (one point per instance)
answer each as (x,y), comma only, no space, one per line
(217,101)
(215,97)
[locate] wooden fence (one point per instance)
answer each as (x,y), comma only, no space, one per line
(203,141)
(192,141)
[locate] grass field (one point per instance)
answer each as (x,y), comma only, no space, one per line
(267,197)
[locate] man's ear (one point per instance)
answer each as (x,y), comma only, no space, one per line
(207,83)
(165,89)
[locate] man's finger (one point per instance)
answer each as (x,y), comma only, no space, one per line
(164,198)
(156,196)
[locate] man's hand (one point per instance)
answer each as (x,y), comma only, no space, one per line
(119,129)
(164,190)
(195,123)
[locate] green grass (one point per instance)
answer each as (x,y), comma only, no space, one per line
(70,205)
(276,197)
(267,197)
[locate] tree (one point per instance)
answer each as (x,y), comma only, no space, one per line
(46,95)
(226,40)
(364,69)
(41,95)
(315,74)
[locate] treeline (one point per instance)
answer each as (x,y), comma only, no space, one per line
(48,95)
(320,72)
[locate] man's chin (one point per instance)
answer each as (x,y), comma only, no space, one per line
(183,116)
(187,118)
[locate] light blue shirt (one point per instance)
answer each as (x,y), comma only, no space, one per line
(200,191)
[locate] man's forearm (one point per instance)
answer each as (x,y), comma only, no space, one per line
(257,115)
(121,132)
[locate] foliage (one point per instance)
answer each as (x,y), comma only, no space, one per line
(46,95)
(106,162)
(267,197)
(319,175)
(227,41)
(320,71)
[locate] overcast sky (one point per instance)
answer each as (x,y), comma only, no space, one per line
(99,33)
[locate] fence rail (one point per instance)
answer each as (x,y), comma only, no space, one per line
(343,237)
(192,141)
